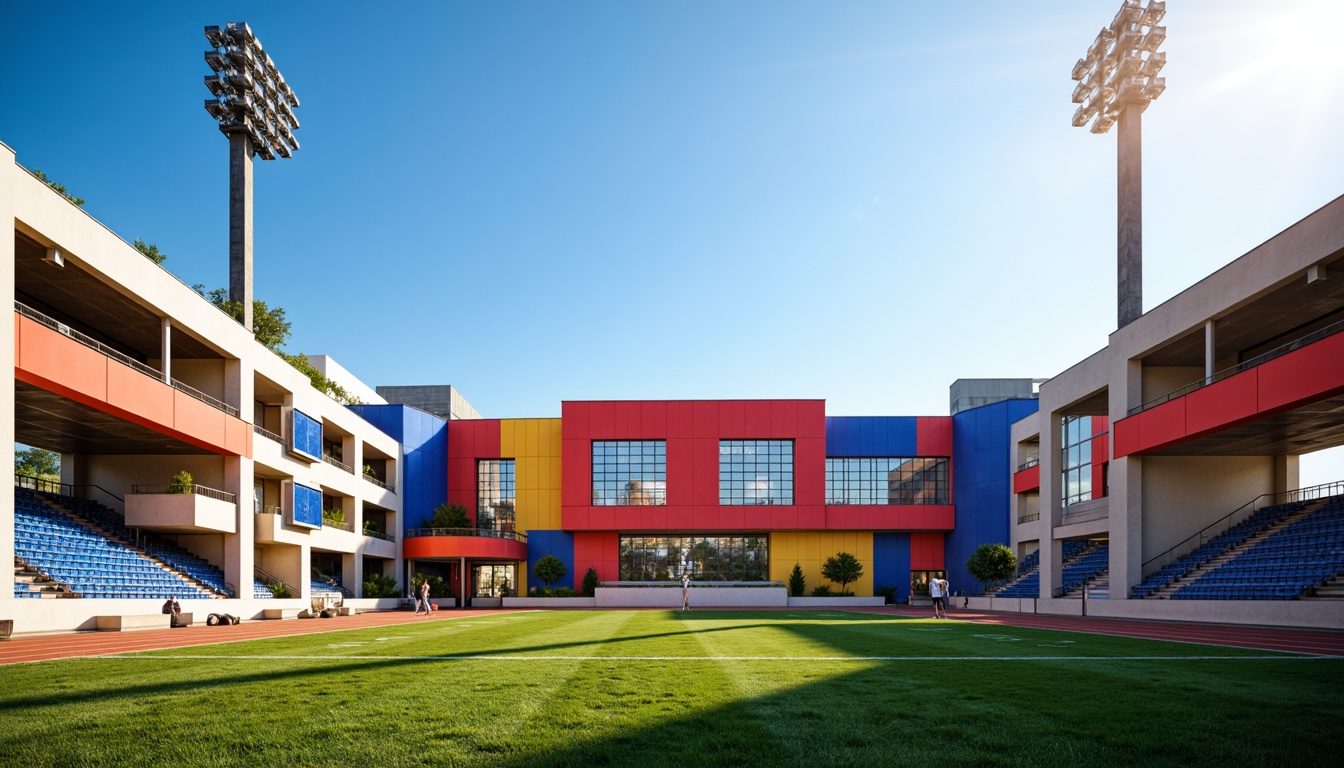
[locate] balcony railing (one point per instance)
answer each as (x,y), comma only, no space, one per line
(484,533)
(1028,465)
(121,357)
(380,483)
(268,434)
(1029,518)
(1242,367)
(337,463)
(174,488)
(332,523)
(379,535)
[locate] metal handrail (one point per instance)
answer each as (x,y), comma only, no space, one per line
(1197,539)
(379,535)
(380,483)
(44,485)
(121,357)
(1030,463)
(484,533)
(268,579)
(268,434)
(155,489)
(338,463)
(1245,365)
(1029,518)
(270,509)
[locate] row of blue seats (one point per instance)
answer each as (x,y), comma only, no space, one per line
(168,552)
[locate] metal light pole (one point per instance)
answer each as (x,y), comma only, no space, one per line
(1117,80)
(254,106)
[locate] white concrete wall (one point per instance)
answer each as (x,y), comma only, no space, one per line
(1307,614)
(700,597)
(8,176)
(1182,494)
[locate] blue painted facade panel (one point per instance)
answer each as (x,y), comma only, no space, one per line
(307,433)
(891,562)
(307,506)
(871,436)
(558,543)
(981,483)
(424,447)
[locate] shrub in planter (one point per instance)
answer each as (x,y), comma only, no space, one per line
(564,592)
(549,569)
(539,592)
(843,568)
(823,591)
(278,590)
(887,591)
(797,582)
(182,482)
(378,585)
(590,582)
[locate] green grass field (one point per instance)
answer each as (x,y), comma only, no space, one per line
(654,688)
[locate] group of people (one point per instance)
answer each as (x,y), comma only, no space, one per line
(939,591)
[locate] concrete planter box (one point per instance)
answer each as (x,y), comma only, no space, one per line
(700,597)
(550,602)
(925,601)
(181,512)
(487,602)
(838,602)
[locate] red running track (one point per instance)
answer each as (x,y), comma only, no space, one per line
(65,646)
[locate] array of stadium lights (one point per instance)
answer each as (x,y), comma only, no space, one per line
(1121,66)
(251,96)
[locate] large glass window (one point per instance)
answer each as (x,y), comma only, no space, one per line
(1076,432)
(704,558)
(629,473)
(494,580)
(755,472)
(495,494)
(887,481)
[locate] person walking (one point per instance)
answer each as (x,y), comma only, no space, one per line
(685,592)
(424,598)
(947,595)
(936,595)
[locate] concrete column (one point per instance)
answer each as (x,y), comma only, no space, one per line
(1126,492)
(74,469)
(1210,355)
(166,350)
(1051,502)
(462,583)
(240,223)
(240,547)
(1286,475)
(1129,215)
(9,177)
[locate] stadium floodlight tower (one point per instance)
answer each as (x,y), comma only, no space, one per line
(1117,80)
(255,109)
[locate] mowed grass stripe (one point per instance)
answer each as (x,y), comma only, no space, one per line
(654,688)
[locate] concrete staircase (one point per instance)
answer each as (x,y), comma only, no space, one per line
(1332,590)
(1098,588)
(37,581)
(1218,561)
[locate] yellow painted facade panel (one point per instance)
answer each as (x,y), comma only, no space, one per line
(810,549)
(534,445)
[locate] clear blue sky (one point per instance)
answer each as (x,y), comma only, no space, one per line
(857,201)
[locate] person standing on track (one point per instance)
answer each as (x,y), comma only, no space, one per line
(685,591)
(424,599)
(936,594)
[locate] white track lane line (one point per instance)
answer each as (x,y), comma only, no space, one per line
(507,657)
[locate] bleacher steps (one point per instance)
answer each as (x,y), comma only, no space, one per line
(1331,590)
(1217,561)
(101,531)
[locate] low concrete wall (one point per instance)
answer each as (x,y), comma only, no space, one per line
(32,616)
(550,602)
(700,597)
(837,602)
(1306,614)
(123,623)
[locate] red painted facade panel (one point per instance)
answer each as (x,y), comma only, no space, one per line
(812,418)
(573,419)
(1163,424)
(1311,373)
(1027,480)
(926,551)
(421,547)
(598,550)
(1125,434)
(933,435)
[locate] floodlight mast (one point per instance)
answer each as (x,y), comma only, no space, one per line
(255,109)
(1117,80)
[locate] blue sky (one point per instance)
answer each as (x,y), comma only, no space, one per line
(856,201)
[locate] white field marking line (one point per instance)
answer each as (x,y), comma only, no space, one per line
(508,657)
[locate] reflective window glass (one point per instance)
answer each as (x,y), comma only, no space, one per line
(629,473)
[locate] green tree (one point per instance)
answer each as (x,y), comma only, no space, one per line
(991,563)
(449,516)
(182,482)
(797,581)
(150,251)
(42,177)
(378,585)
(590,582)
(35,462)
(843,568)
(549,569)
